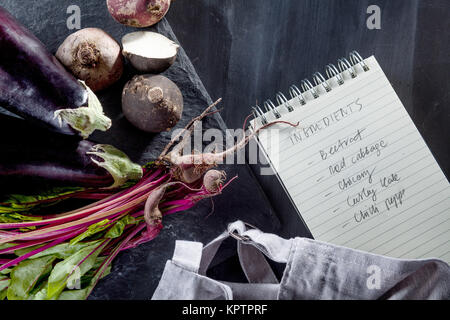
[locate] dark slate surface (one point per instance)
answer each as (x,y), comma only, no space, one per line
(246,50)
(257,47)
(136,272)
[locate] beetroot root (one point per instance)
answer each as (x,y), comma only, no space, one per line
(152,214)
(192,167)
(213,180)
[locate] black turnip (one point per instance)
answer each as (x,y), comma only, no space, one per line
(152,103)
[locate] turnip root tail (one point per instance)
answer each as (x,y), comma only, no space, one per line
(191,167)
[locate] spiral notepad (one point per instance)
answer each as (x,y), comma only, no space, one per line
(356,168)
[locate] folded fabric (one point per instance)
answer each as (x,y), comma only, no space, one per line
(314,270)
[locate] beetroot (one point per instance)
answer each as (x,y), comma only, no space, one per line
(115,223)
(191,167)
(152,213)
(138,13)
(213,180)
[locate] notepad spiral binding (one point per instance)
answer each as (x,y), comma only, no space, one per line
(343,65)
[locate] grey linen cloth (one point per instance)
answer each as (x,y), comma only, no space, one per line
(314,270)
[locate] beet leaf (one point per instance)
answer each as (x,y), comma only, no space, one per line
(72,267)
(26,275)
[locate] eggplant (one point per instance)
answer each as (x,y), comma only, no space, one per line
(35,86)
(42,157)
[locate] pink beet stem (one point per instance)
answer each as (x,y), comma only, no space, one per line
(56,231)
(116,251)
(95,208)
(178,209)
(95,217)
(101,245)
(29,243)
(174,203)
(149,236)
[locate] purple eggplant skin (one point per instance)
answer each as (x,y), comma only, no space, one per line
(33,83)
(42,158)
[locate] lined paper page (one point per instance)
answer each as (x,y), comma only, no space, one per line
(360,173)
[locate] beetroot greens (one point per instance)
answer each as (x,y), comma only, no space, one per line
(86,240)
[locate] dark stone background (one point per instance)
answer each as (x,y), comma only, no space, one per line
(245,51)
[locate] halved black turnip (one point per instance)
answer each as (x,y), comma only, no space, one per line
(149,52)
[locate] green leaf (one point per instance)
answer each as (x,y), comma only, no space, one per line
(4,283)
(107,272)
(117,163)
(5,271)
(6,245)
(97,264)
(20,199)
(67,270)
(39,285)
(20,203)
(85,119)
(25,276)
(41,293)
(61,251)
(93,229)
(87,278)
(14,217)
(87,283)
(117,229)
(74,294)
